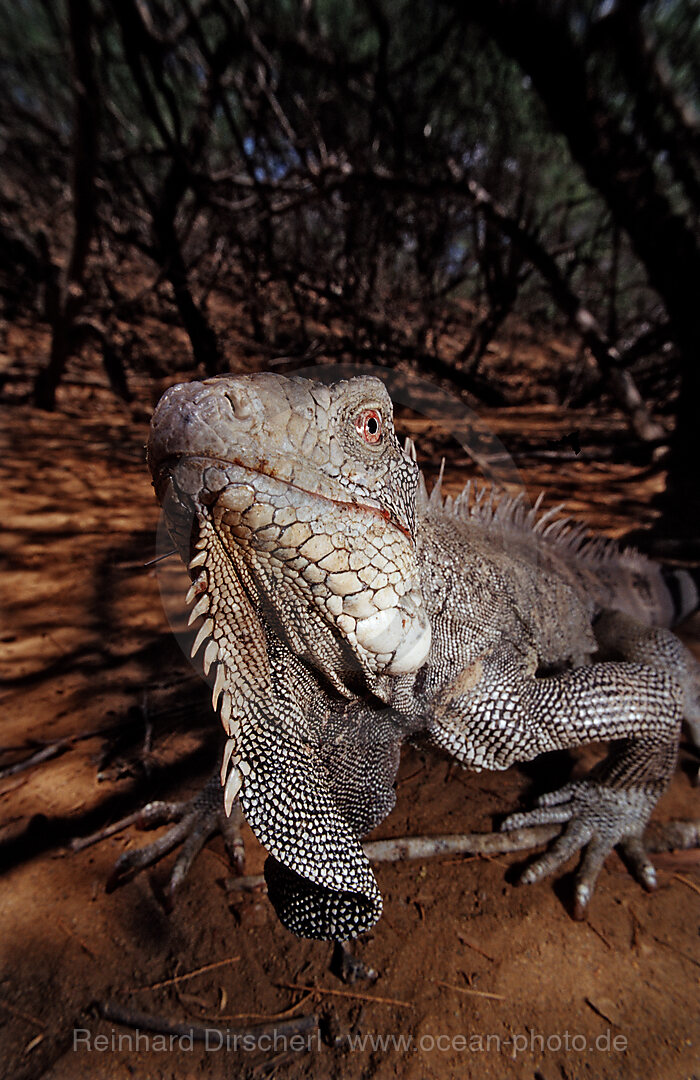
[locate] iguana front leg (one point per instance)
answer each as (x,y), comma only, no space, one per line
(621,637)
(497,713)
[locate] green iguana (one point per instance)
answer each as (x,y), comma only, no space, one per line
(343,610)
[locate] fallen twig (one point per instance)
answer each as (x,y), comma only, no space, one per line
(599,1011)
(320,990)
(71,933)
(272,1064)
(468,990)
(411,776)
(152,562)
(190,974)
(54,749)
(476,948)
(259,1016)
(672,836)
(688,882)
(45,754)
(598,934)
(119,1014)
(676,950)
(423,847)
(21,1015)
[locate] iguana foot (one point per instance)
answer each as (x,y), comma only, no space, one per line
(598,819)
(197,820)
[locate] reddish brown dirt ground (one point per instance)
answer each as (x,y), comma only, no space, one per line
(486,979)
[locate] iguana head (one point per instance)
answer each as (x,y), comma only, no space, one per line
(307,493)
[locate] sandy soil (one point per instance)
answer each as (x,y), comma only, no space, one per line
(484,978)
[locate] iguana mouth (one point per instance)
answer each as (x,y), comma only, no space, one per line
(262,467)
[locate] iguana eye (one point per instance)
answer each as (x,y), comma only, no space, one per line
(369,426)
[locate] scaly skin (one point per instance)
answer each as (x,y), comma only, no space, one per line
(345,611)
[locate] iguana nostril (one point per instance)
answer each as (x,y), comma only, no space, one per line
(239,403)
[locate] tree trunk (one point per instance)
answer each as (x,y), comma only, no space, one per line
(68,302)
(205,345)
(617,165)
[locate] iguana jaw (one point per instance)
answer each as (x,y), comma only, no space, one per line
(217,468)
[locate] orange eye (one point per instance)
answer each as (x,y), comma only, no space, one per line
(369,426)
